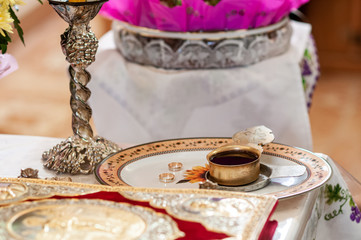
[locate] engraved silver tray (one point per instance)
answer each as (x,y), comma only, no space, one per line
(27,213)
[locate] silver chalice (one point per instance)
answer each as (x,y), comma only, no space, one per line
(81,152)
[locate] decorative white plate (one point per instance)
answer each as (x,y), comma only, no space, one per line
(140,166)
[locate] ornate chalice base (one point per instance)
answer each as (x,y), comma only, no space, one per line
(74,155)
(81,152)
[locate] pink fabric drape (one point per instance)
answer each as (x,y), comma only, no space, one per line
(197,15)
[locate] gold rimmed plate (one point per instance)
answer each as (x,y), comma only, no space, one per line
(140,166)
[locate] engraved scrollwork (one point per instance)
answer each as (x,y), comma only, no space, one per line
(194,54)
(229,53)
(170,52)
(85,218)
(12,192)
(234,216)
(132,47)
(158,53)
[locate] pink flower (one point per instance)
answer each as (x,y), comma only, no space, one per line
(8,65)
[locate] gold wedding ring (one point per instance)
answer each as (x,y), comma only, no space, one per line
(166,177)
(175,166)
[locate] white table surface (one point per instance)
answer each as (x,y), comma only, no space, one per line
(294,215)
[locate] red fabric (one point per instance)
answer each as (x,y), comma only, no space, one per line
(269,228)
(192,230)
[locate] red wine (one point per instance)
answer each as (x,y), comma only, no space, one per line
(234,158)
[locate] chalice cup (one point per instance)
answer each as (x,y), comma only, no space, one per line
(81,152)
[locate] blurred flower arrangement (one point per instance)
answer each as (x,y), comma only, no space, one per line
(8,22)
(199,15)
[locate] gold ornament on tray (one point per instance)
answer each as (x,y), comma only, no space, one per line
(81,152)
(85,219)
(10,192)
(29,173)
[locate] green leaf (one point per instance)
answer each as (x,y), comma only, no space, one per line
(351,202)
(171,3)
(17,25)
(212,2)
(3,47)
(307,54)
(333,194)
(4,41)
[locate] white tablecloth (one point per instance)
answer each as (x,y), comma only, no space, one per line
(137,104)
(321,214)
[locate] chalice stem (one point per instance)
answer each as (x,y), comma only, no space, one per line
(78,102)
(79,45)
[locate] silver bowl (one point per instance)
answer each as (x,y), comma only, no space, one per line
(201,50)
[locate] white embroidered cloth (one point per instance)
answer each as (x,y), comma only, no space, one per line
(137,104)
